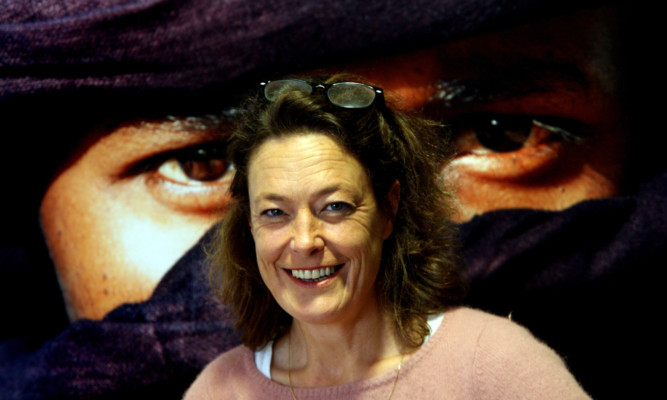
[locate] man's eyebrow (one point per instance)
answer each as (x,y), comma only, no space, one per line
(198,123)
(509,81)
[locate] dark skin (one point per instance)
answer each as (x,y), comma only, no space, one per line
(550,92)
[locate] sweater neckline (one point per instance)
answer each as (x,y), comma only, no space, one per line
(352,387)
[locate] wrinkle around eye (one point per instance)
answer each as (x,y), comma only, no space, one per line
(336,210)
(337,206)
(273,212)
(270,218)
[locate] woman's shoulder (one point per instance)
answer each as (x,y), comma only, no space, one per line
(466,336)
(507,359)
(219,374)
(470,320)
(237,356)
(494,335)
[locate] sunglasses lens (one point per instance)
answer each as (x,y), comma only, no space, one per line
(274,89)
(351,95)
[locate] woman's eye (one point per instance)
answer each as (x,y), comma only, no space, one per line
(337,206)
(204,163)
(273,212)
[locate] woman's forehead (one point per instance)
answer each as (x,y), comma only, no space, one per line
(310,162)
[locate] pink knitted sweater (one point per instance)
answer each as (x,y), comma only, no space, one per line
(473,355)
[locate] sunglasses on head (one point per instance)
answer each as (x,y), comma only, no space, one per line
(341,94)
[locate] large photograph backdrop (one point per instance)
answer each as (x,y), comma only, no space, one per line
(115,115)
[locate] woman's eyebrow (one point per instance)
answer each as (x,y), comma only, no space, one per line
(319,193)
(328,190)
(269,197)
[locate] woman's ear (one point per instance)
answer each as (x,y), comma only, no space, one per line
(393,198)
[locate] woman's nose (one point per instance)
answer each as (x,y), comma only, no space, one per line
(306,233)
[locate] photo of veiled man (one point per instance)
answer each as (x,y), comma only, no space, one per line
(115,116)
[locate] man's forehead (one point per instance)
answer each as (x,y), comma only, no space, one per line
(576,39)
(563,53)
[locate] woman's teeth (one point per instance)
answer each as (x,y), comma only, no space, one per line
(313,274)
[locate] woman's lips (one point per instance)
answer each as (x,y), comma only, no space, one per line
(314,275)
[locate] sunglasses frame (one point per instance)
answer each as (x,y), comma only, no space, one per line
(301,85)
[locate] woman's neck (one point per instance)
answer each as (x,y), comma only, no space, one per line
(332,354)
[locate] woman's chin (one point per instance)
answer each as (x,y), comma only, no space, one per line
(319,311)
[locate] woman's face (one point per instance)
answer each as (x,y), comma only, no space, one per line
(317,228)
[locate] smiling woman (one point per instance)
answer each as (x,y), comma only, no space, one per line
(340,263)
(315,212)
(334,197)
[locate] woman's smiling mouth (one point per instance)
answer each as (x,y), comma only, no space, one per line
(315,274)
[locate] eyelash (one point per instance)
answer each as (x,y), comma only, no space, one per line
(199,152)
(273,212)
(344,207)
(192,179)
(503,133)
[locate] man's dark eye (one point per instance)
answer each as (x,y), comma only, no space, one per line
(204,163)
(504,133)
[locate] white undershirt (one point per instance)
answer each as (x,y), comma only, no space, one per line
(263,356)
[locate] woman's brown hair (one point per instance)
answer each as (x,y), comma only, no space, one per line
(419,273)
